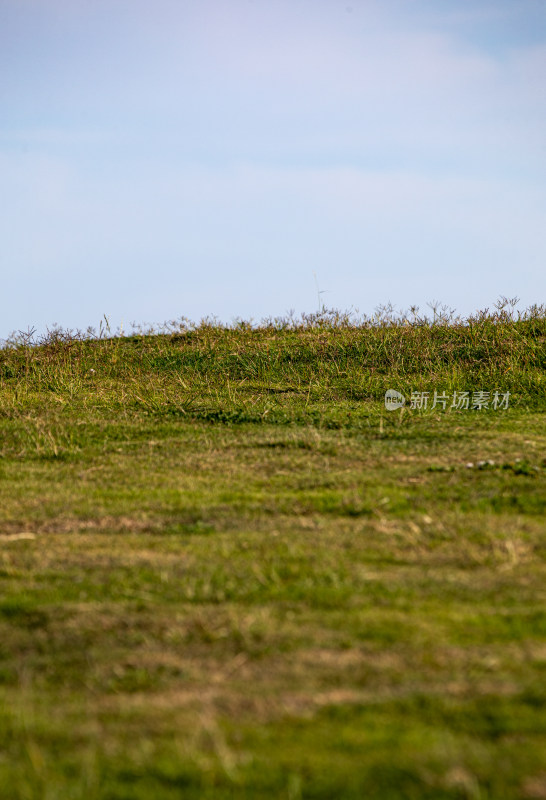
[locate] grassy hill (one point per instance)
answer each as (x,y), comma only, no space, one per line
(228,571)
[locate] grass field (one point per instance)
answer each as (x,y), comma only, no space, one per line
(227,571)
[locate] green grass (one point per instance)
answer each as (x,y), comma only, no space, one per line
(226,571)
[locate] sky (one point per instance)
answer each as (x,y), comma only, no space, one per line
(204,158)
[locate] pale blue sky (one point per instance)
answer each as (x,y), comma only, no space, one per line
(205,157)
